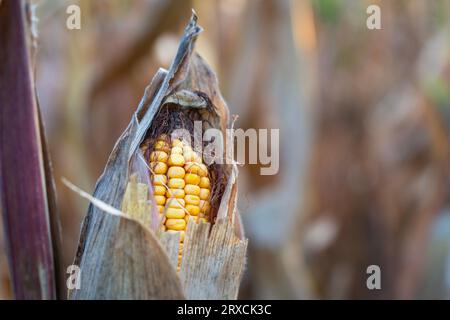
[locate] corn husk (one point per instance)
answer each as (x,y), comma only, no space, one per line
(125,257)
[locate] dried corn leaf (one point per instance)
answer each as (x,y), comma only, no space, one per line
(218,258)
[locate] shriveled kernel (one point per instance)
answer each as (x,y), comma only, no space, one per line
(162,136)
(192,178)
(158,156)
(177,150)
(176,224)
(174,213)
(204,194)
(176,172)
(193,210)
(158,167)
(176,183)
(159,190)
(175,193)
(176,203)
(192,189)
(205,183)
(176,160)
(177,143)
(159,179)
(191,199)
(160,200)
(189,156)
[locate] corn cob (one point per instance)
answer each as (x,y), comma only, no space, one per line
(181,186)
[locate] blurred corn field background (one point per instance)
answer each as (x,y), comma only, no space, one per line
(364,119)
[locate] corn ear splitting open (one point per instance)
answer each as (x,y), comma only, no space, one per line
(181,185)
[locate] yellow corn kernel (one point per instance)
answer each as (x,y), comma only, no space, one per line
(191,167)
(158,167)
(175,193)
(174,213)
(176,224)
(177,150)
(199,218)
(204,194)
(177,143)
(162,145)
(159,190)
(205,183)
(192,178)
(204,206)
(176,172)
(191,199)
(158,156)
(176,203)
(192,189)
(176,160)
(176,183)
(160,209)
(202,170)
(160,180)
(160,200)
(193,210)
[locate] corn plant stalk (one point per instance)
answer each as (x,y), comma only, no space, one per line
(25,180)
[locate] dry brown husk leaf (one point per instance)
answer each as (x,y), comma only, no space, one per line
(124,258)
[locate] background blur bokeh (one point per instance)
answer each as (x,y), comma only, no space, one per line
(364,119)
